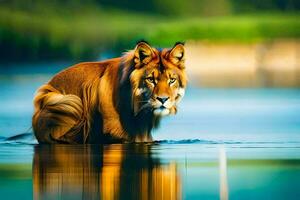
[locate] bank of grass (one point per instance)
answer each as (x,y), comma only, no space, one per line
(243,28)
(71,33)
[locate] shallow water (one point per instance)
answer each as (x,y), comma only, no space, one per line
(223,143)
(161,171)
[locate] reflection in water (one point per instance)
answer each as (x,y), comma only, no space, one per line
(223,174)
(102,172)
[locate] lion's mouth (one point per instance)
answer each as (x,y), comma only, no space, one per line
(162,107)
(161,111)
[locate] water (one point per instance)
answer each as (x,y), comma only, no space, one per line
(223,144)
(161,171)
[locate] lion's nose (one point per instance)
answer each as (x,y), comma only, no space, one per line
(162,99)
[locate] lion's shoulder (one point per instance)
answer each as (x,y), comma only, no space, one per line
(71,79)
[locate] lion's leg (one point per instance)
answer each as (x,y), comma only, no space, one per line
(57,118)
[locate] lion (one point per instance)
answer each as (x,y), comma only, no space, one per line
(116,100)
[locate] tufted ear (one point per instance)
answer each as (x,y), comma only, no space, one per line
(143,53)
(177,54)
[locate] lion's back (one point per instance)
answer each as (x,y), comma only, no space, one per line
(71,80)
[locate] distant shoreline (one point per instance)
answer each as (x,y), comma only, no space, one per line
(262,64)
(50,33)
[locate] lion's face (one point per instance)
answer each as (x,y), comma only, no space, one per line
(158,80)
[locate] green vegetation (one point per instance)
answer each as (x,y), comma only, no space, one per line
(51,33)
(230,28)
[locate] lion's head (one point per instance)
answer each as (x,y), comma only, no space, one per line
(158,78)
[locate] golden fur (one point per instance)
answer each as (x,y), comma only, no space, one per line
(120,99)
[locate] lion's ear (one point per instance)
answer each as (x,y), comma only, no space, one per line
(177,53)
(143,53)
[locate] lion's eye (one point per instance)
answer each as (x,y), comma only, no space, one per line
(150,79)
(172,80)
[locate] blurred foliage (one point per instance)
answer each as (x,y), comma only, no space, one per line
(77,29)
(239,6)
(167,7)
